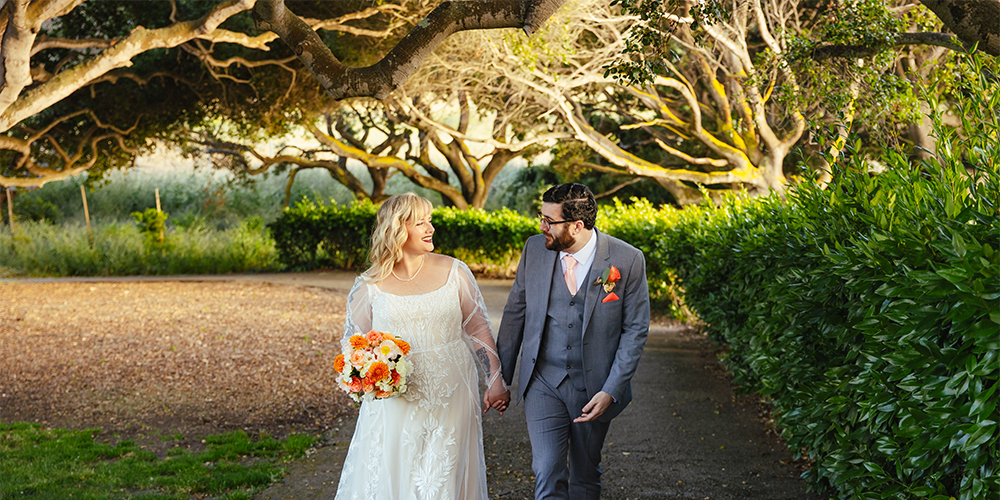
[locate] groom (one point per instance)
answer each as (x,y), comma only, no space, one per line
(578,313)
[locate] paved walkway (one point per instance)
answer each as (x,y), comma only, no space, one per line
(685,436)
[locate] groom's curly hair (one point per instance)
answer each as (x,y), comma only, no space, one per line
(577,202)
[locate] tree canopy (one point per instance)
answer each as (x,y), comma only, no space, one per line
(712,94)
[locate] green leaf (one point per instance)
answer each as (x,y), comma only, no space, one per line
(874,467)
(955,274)
(958,245)
(982,434)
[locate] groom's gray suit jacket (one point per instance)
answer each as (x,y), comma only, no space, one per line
(614,332)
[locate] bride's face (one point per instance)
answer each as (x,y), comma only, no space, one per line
(420,235)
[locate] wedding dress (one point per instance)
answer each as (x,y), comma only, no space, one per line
(428,443)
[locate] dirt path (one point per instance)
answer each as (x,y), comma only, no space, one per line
(685,436)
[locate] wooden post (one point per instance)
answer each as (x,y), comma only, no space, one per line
(158,211)
(86,214)
(10,212)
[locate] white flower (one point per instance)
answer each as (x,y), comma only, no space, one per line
(404,367)
(388,350)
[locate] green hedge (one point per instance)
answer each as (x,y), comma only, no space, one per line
(868,312)
(311,235)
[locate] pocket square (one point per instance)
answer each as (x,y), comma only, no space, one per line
(610,298)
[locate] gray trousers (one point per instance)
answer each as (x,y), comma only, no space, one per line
(550,413)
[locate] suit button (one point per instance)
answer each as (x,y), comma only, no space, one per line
(569,367)
(572,303)
(571,325)
(532,360)
(569,348)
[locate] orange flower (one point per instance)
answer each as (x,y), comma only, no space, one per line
(366,386)
(358,342)
(374,337)
(380,394)
(338,363)
(403,346)
(395,376)
(388,335)
(614,275)
(356,384)
(377,372)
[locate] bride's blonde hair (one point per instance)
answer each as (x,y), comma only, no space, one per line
(390,234)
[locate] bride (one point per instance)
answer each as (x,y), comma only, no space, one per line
(427,443)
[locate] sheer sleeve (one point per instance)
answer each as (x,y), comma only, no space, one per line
(359,311)
(476,324)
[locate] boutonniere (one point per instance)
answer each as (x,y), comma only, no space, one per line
(608,278)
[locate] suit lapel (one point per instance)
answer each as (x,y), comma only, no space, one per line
(602,258)
(540,278)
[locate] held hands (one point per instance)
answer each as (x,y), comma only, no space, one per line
(496,397)
(600,402)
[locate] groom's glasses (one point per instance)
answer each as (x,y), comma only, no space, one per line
(546,222)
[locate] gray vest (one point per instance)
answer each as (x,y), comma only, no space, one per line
(561,352)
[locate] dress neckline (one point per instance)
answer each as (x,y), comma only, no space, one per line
(451,271)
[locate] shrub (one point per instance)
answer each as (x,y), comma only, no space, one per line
(311,235)
(866,312)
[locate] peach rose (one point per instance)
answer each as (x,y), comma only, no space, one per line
(360,358)
(356,384)
(374,337)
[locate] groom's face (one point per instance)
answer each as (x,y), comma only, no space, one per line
(558,237)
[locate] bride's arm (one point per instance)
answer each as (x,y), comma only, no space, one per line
(359,312)
(476,323)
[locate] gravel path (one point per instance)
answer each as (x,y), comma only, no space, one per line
(147,357)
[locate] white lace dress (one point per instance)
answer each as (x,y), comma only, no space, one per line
(428,443)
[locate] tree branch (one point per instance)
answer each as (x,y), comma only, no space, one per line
(974,21)
(260,42)
(13,109)
(380,79)
(341,149)
(45,42)
(946,40)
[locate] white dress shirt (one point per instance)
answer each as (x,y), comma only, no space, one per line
(584,260)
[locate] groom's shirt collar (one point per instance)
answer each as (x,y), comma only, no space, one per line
(584,258)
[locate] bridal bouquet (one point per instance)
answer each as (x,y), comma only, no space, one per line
(373,366)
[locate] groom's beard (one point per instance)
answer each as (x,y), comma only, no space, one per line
(559,243)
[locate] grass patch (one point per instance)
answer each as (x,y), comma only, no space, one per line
(59,464)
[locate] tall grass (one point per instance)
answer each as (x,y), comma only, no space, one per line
(190,195)
(120,249)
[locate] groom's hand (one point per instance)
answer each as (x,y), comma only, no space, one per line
(498,400)
(600,402)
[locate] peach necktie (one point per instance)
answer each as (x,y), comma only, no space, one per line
(570,275)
